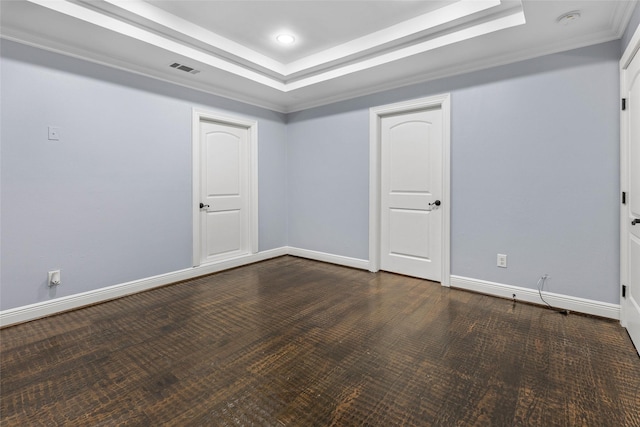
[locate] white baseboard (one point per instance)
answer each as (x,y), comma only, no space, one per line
(362,264)
(58,305)
(581,305)
(71,302)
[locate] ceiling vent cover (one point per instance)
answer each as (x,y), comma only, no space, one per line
(184,68)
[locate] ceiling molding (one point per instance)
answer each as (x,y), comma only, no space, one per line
(468,67)
(621,16)
(419,27)
(139,33)
(419,35)
(502,21)
(449,40)
(92,57)
(146,14)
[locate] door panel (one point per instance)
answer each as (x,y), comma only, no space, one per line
(223,163)
(409,233)
(631,211)
(408,157)
(411,181)
(223,233)
(224,220)
(634,141)
(632,302)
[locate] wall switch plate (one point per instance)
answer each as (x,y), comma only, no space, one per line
(54,133)
(54,278)
(502,260)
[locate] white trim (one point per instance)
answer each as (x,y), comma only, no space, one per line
(71,302)
(622,16)
(47,308)
(580,305)
(106,61)
(628,311)
(442,101)
(216,42)
(362,264)
(252,63)
(254,229)
(630,51)
(514,19)
(127,29)
(345,52)
(619,20)
(624,181)
(252,128)
(195,187)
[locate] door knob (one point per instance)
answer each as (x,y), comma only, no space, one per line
(202,205)
(436,203)
(635,221)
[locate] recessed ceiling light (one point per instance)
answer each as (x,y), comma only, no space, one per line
(569,17)
(285,38)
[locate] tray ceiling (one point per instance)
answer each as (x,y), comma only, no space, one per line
(342,49)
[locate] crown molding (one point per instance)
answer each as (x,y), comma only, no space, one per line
(151,25)
(285,96)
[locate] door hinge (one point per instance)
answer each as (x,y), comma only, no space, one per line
(624,291)
(624,104)
(624,197)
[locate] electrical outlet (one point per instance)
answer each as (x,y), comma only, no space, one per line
(54,278)
(502,260)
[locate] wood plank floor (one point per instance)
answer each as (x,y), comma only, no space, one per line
(293,342)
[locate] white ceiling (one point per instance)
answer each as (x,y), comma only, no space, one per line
(318,24)
(343,49)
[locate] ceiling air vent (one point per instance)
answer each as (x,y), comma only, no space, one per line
(184,68)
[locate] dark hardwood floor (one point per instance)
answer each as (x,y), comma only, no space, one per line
(292,342)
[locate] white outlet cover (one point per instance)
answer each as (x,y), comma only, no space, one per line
(54,278)
(502,260)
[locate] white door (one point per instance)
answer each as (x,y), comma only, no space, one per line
(411,193)
(631,210)
(224,191)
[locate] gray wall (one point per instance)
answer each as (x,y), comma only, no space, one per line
(111,201)
(535,172)
(328,179)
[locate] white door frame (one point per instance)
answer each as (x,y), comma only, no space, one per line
(629,53)
(252,129)
(375,144)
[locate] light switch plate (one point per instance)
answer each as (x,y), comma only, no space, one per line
(54,133)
